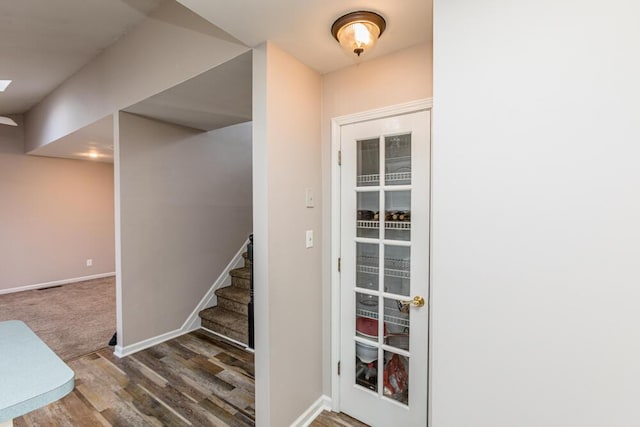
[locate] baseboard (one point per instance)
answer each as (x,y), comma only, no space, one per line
(121,351)
(226,338)
(193,321)
(323,403)
(56,283)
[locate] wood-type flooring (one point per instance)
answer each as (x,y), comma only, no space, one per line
(196,379)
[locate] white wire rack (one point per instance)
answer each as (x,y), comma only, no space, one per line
(374,179)
(389,225)
(400,321)
(389,272)
(397,176)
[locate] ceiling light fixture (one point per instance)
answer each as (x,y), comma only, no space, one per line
(4,84)
(358,31)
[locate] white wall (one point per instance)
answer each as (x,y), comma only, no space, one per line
(393,79)
(286,114)
(55,215)
(185,210)
(535,213)
(172,45)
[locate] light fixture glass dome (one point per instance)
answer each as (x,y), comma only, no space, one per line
(357,32)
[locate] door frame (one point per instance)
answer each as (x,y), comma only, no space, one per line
(336,124)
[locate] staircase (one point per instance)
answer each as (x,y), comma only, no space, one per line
(230,317)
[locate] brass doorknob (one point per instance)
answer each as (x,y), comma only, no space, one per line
(417,301)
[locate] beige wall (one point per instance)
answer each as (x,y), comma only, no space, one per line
(55,215)
(393,79)
(171,46)
(286,101)
(185,210)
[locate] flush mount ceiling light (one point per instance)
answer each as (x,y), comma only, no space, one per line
(358,31)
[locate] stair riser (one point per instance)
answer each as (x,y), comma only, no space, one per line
(238,336)
(247,263)
(232,305)
(240,282)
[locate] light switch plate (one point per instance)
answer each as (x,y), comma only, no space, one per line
(309,239)
(308,197)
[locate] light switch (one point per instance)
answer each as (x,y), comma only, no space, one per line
(309,239)
(308,195)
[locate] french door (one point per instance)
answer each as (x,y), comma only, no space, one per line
(384,279)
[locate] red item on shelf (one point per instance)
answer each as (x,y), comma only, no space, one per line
(368,326)
(395,378)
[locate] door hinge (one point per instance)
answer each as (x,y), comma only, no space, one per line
(338,368)
(339,264)
(339,157)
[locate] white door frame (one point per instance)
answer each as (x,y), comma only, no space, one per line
(336,124)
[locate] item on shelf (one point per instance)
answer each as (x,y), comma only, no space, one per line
(401,216)
(364,215)
(395,378)
(400,341)
(401,264)
(367,374)
(369,300)
(366,353)
(368,327)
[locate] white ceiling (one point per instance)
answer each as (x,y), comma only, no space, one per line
(215,99)
(44,42)
(302,27)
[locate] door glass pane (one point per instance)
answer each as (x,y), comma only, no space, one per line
(367,266)
(396,377)
(368,155)
(367,316)
(396,319)
(368,215)
(397,270)
(367,366)
(398,159)
(397,215)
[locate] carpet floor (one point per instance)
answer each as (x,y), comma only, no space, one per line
(74,319)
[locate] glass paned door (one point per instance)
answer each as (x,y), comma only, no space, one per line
(384,280)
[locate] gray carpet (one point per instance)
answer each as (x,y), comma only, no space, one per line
(73,319)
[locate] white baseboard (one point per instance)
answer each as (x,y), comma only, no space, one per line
(323,403)
(193,321)
(226,338)
(134,348)
(55,283)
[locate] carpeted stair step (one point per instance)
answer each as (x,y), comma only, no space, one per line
(241,277)
(247,263)
(225,322)
(234,298)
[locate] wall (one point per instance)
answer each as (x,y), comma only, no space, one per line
(55,214)
(286,113)
(535,213)
(185,210)
(393,79)
(172,45)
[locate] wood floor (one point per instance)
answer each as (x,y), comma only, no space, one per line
(332,419)
(193,380)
